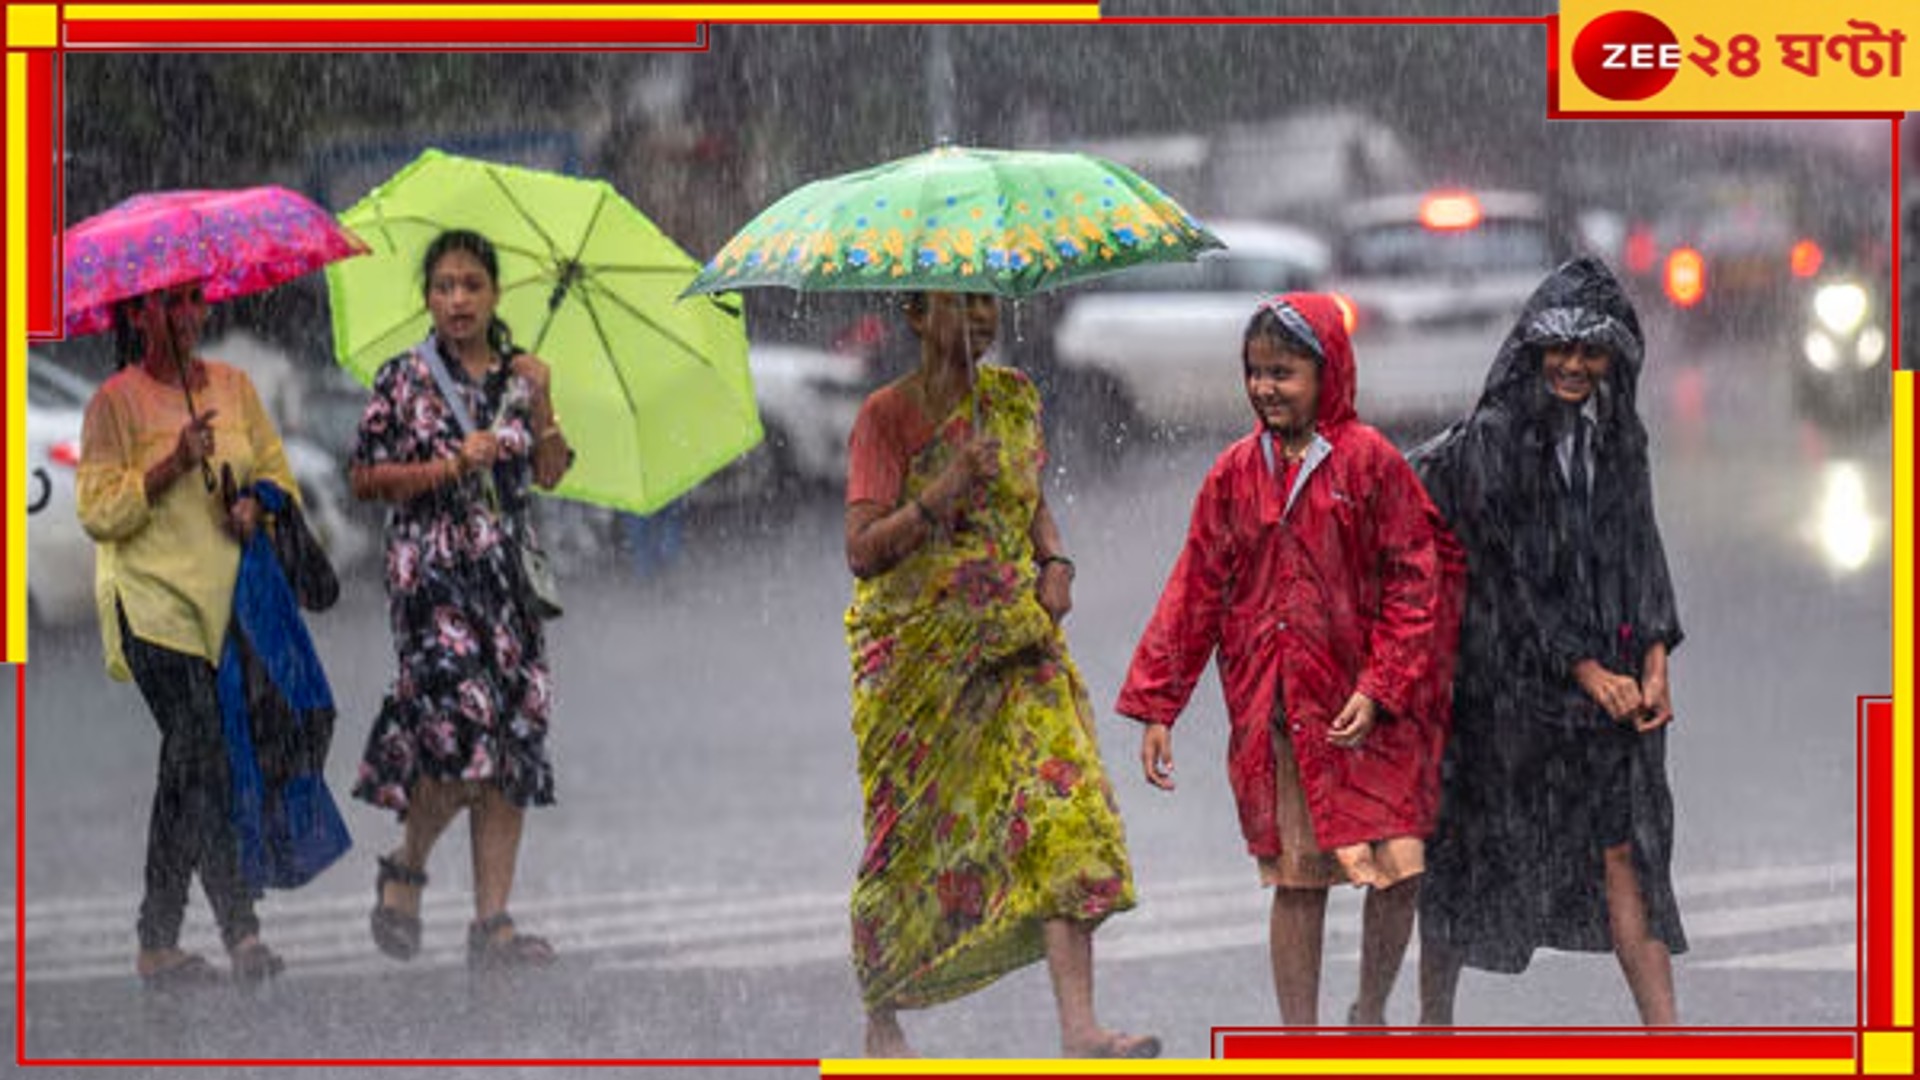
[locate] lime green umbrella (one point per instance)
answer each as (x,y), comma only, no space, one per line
(653,390)
(960,219)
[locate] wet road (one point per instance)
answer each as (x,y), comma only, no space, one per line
(695,872)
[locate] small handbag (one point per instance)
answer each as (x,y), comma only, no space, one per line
(543,588)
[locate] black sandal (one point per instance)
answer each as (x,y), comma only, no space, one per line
(254,963)
(394,931)
(189,972)
(485,953)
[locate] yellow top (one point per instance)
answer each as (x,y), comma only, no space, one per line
(171,564)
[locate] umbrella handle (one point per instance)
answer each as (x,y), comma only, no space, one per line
(193,414)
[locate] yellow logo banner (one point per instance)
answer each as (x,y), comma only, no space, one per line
(1762,56)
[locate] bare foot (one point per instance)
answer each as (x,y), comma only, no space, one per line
(1111,1044)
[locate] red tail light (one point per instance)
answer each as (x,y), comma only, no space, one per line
(1641,252)
(1805,258)
(1349,315)
(1686,278)
(65,453)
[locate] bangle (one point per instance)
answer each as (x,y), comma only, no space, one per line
(1045,561)
(551,431)
(926,515)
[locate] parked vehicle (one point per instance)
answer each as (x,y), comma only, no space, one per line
(1160,345)
(808,399)
(59,552)
(1435,281)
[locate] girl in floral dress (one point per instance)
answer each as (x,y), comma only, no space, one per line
(992,835)
(465,722)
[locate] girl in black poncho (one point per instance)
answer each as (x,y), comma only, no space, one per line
(1556,823)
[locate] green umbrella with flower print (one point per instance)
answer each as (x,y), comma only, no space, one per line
(960,219)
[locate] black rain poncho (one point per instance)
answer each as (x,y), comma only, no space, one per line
(1516,862)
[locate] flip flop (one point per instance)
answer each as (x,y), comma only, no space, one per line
(190,971)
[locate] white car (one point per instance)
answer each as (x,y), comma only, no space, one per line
(1435,282)
(808,399)
(59,552)
(1161,343)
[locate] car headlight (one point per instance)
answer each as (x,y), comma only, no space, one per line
(1821,352)
(1871,347)
(1842,307)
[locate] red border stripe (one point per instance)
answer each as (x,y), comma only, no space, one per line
(1637,1047)
(367,32)
(43,164)
(1878,769)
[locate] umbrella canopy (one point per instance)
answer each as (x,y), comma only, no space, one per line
(234,242)
(959,219)
(655,392)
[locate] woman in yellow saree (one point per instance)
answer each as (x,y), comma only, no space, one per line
(992,838)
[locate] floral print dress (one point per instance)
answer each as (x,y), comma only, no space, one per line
(987,809)
(473,693)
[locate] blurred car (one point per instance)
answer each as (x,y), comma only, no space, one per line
(59,552)
(808,399)
(1159,345)
(60,567)
(1434,282)
(1842,373)
(1726,247)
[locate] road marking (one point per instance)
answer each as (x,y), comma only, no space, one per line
(689,928)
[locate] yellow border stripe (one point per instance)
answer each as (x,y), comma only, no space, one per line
(711,13)
(1350,1067)
(1902,824)
(16,331)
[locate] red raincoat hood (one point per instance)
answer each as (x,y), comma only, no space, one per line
(1323,317)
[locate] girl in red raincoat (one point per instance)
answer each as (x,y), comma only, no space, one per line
(1314,567)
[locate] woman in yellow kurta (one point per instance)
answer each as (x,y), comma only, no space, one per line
(168,556)
(992,835)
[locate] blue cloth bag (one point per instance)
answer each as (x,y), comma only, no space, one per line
(284,817)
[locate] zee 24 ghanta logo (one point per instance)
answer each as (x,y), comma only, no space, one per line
(1631,55)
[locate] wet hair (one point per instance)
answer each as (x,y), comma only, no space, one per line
(499,336)
(1268,323)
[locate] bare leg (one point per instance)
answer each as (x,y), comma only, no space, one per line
(1643,958)
(1386,925)
(1298,922)
(1440,964)
(884,1037)
(495,823)
(431,806)
(1070,966)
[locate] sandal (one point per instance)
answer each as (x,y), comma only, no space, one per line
(1364,1027)
(187,971)
(1120,1045)
(396,932)
(254,963)
(487,953)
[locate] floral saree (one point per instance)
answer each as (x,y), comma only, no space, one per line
(987,809)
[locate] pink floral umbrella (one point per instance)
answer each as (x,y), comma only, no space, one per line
(234,242)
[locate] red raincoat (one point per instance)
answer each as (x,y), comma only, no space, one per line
(1355,586)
